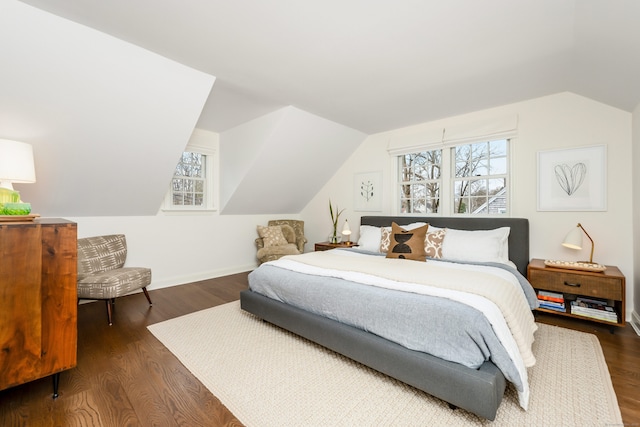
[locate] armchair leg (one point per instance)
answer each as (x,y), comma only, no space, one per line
(146,294)
(109,309)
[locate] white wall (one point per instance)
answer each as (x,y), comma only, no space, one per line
(181,249)
(563,120)
(107,119)
(635,283)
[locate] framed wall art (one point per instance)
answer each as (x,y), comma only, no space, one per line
(368,192)
(574,179)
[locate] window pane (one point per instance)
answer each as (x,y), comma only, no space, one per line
(499,166)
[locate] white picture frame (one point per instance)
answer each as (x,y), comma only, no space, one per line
(573,179)
(367,195)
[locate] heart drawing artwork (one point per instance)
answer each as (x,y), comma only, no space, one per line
(570,178)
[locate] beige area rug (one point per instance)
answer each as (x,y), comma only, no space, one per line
(269,377)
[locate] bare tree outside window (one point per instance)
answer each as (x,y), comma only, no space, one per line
(478,174)
(480,184)
(420,179)
(188,183)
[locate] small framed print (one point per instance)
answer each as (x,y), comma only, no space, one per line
(368,192)
(573,179)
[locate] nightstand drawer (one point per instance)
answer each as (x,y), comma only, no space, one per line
(574,283)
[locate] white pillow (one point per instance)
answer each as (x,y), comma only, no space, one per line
(369,239)
(477,245)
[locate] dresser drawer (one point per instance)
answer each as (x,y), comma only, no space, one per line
(576,283)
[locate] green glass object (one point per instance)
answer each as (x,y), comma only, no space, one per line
(15,208)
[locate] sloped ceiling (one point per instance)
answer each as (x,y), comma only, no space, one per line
(377,65)
(107,119)
(275,164)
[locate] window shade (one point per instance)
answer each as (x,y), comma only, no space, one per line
(483,130)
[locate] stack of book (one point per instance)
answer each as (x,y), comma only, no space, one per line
(551,300)
(594,308)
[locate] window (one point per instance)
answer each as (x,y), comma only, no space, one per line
(189,180)
(192,186)
(420,181)
(478,181)
(480,178)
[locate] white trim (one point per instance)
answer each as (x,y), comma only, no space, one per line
(635,322)
(190,278)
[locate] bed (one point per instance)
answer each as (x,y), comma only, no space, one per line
(478,389)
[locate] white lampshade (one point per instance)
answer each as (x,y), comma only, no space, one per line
(346,230)
(573,240)
(16,163)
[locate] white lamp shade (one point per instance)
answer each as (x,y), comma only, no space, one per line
(346,230)
(16,163)
(573,239)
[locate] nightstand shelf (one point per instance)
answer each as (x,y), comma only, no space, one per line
(608,286)
(325,246)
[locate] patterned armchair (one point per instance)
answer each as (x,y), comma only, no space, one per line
(101,271)
(292,231)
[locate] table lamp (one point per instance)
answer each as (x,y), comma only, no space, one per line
(574,240)
(16,163)
(347,232)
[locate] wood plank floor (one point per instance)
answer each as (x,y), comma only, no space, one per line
(125,377)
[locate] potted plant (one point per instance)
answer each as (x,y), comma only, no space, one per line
(335,214)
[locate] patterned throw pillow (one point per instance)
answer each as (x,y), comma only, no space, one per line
(385,239)
(407,244)
(433,243)
(385,235)
(272,235)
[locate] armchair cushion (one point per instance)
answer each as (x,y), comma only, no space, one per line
(272,235)
(114,283)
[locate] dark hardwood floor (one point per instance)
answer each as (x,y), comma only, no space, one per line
(125,377)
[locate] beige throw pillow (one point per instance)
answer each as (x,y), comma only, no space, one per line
(272,235)
(433,243)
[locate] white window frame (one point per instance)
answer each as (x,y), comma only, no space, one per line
(212,171)
(489,176)
(447,176)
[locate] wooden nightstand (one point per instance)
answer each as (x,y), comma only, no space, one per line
(608,285)
(325,246)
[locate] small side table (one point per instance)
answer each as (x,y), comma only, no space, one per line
(608,285)
(325,246)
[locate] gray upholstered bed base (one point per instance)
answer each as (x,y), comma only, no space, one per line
(478,391)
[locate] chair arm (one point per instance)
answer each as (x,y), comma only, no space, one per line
(300,241)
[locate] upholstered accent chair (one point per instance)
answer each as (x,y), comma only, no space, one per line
(270,244)
(102,274)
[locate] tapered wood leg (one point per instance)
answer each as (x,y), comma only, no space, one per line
(56,383)
(146,294)
(109,309)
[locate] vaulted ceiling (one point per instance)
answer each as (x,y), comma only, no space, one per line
(376,65)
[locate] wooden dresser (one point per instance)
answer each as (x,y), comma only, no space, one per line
(38,316)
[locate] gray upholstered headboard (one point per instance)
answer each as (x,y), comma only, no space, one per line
(518,236)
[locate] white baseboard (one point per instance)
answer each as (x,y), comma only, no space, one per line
(635,322)
(189,278)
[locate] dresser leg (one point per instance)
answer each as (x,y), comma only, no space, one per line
(56,382)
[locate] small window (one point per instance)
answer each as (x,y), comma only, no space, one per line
(189,180)
(192,186)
